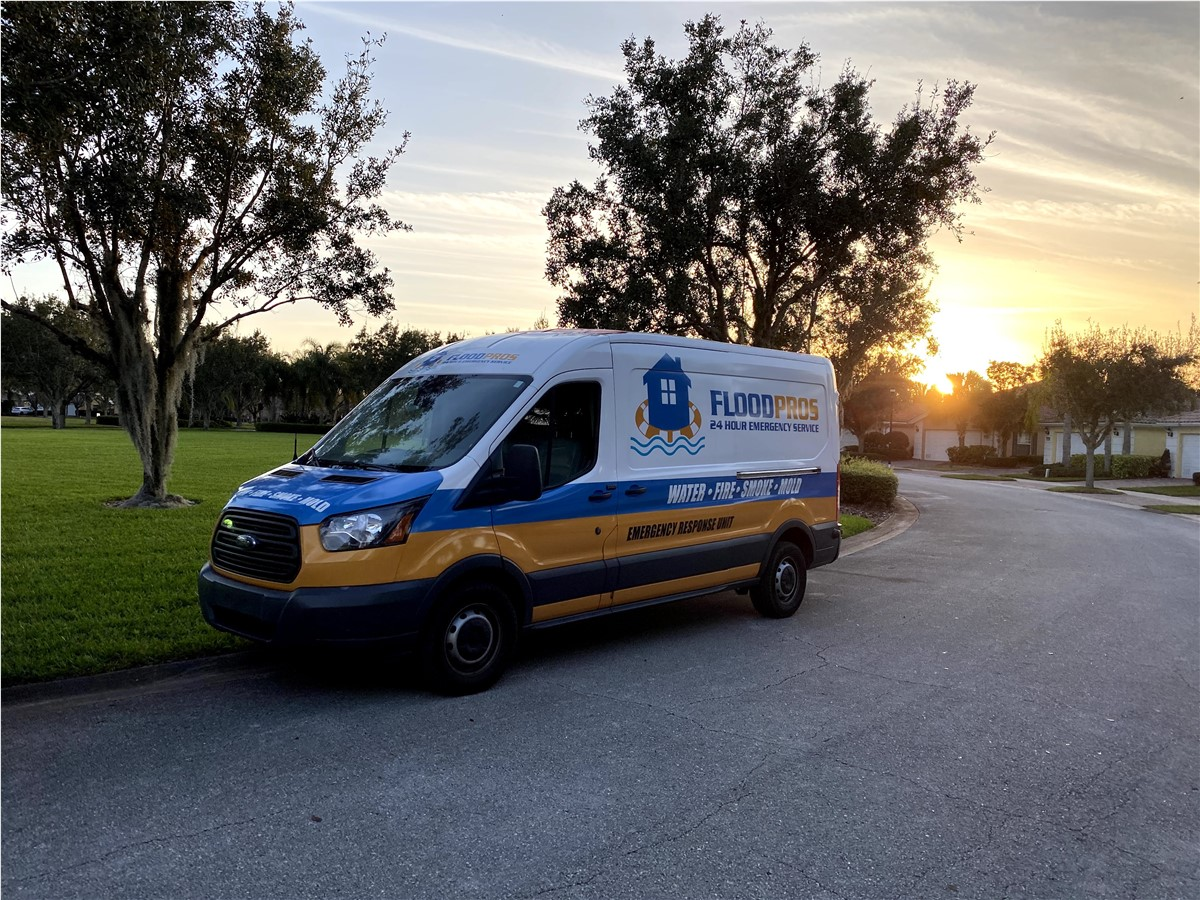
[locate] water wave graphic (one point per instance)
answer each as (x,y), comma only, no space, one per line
(645,448)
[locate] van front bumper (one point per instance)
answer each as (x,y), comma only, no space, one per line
(388,615)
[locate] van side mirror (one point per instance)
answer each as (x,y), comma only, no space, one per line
(519,479)
(523,470)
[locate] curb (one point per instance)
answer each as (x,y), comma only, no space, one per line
(899,522)
(143,679)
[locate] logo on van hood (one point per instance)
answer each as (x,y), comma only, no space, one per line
(667,421)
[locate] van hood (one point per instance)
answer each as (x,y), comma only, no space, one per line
(310,494)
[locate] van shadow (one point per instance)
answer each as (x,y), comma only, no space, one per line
(374,673)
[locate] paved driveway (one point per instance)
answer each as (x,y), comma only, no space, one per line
(1001,701)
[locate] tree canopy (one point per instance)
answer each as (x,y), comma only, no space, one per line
(741,201)
(1102,377)
(185,168)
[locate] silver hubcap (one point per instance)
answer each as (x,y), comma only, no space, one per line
(785,581)
(470,638)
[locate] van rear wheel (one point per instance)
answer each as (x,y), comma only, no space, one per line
(780,589)
(468,639)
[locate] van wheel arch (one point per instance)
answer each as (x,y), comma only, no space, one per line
(469,636)
(796,533)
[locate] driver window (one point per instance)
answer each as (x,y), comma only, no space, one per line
(564,425)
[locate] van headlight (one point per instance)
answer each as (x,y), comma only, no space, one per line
(383,526)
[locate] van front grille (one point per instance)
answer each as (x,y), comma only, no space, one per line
(258,545)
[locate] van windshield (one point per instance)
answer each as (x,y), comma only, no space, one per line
(417,423)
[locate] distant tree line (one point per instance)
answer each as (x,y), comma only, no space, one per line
(234,379)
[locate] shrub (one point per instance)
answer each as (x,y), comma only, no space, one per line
(1133,466)
(975,455)
(874,442)
(1162,467)
(867,482)
(1196,478)
(108,420)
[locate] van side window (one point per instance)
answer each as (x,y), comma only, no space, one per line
(564,425)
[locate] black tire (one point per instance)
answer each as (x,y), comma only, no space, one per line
(780,589)
(468,639)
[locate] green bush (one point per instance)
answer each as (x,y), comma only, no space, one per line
(975,455)
(291,427)
(1196,478)
(874,442)
(867,482)
(1132,466)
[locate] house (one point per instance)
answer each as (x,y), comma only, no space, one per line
(1149,436)
(932,431)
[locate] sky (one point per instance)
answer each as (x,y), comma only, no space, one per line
(1092,202)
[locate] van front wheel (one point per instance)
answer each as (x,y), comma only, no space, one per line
(781,586)
(468,640)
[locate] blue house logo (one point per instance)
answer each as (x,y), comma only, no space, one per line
(667,420)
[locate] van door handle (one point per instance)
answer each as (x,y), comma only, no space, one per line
(604,494)
(634,490)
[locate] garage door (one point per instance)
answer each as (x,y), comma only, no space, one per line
(1189,455)
(937,442)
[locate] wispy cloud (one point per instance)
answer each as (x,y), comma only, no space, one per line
(498,42)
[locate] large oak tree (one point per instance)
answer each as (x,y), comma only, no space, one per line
(185,167)
(740,200)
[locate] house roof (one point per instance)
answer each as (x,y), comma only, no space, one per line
(1048,415)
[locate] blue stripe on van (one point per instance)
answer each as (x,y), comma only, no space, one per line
(573,501)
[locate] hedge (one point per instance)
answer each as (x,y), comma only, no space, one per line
(1133,466)
(868,483)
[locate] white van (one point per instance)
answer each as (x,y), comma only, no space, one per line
(527,479)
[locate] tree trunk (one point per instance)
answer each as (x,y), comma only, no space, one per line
(1066,447)
(1127,439)
(1108,454)
(149,389)
(1090,468)
(58,414)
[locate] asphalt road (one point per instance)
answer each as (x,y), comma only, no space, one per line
(1001,701)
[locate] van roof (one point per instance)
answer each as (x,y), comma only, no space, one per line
(533,348)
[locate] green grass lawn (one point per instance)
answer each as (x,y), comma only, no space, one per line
(852,525)
(90,589)
(1081,489)
(1170,490)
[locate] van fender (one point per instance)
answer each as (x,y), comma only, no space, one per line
(494,569)
(795,531)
